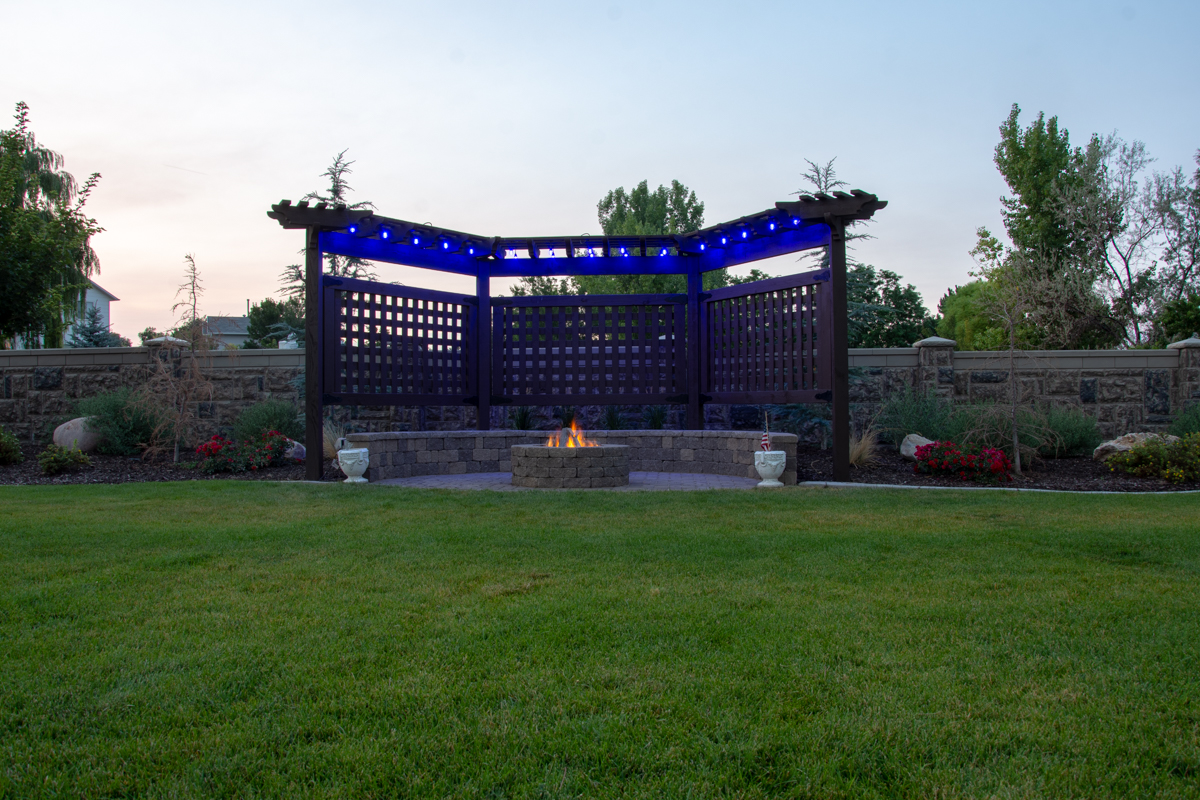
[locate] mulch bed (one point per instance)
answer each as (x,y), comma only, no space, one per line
(120,469)
(1064,474)
(1080,474)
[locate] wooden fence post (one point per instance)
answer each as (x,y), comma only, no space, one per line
(314,434)
(483,348)
(695,409)
(841,351)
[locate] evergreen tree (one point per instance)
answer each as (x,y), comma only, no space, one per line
(91,331)
(292,277)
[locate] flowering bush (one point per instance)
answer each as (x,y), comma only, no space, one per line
(947,458)
(219,454)
(1177,462)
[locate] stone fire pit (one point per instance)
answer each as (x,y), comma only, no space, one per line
(537,466)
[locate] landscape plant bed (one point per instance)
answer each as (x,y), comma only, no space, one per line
(1078,474)
(122,469)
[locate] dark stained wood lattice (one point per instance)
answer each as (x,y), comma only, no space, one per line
(387,344)
(595,349)
(767,342)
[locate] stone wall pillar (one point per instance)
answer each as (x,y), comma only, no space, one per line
(935,366)
(1187,376)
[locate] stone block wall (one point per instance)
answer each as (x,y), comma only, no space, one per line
(1126,390)
(410,454)
(39,388)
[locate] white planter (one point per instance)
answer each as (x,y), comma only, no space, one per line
(353,463)
(770,465)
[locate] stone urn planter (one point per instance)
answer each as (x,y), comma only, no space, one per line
(353,462)
(770,465)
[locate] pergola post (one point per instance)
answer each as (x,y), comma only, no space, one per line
(483,348)
(695,409)
(841,351)
(314,435)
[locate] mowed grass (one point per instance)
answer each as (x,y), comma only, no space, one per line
(233,639)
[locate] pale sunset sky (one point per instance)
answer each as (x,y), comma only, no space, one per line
(515,118)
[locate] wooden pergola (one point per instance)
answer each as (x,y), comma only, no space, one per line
(781,340)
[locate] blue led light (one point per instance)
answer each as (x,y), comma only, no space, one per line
(416,240)
(722,240)
(796,221)
(445,245)
(624,252)
(744,234)
(591,253)
(772,226)
(702,245)
(383,234)
(353,229)
(664,252)
(471,251)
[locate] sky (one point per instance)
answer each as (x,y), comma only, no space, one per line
(516,118)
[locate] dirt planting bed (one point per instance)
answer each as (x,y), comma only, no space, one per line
(1080,474)
(119,469)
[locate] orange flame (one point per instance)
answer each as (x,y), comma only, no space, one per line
(569,437)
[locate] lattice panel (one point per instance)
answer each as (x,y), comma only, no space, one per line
(391,344)
(765,342)
(588,353)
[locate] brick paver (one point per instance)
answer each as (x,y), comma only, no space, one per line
(638,482)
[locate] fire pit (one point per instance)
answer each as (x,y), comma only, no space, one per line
(569,461)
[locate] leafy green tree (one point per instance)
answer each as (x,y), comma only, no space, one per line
(45,252)
(272,320)
(1180,318)
(1036,163)
(292,277)
(640,212)
(91,331)
(882,312)
(963,319)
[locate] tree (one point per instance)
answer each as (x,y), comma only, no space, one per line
(192,287)
(149,333)
(292,277)
(272,320)
(91,331)
(1176,204)
(882,312)
(640,212)
(45,252)
(1036,163)
(1112,225)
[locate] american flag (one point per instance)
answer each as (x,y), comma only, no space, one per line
(766,440)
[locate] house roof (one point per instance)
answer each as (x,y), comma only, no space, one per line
(103,291)
(227,326)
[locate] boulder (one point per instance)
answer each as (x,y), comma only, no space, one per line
(908,448)
(1128,441)
(76,434)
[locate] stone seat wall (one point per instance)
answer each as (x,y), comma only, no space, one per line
(404,454)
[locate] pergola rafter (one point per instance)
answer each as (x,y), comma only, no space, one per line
(762,337)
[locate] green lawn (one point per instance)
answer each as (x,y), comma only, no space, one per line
(229,639)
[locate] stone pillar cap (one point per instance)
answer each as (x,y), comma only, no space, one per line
(1191,341)
(935,341)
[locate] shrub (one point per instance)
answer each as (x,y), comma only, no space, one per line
(947,458)
(522,418)
(654,417)
(925,414)
(864,448)
(10,448)
(124,421)
(219,454)
(1187,422)
(990,425)
(613,419)
(270,415)
(1176,462)
(55,460)
(1076,432)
